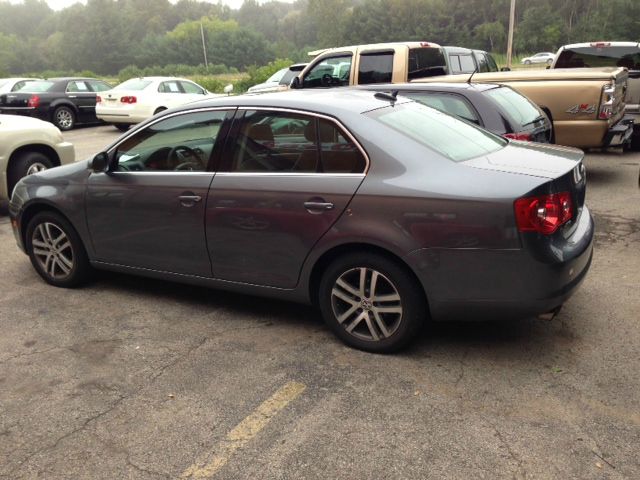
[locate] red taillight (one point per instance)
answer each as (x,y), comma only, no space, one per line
(34,101)
(525,137)
(425,44)
(601,44)
(129,99)
(543,214)
(98,99)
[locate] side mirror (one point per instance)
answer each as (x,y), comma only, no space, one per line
(100,163)
(295,83)
(505,69)
(228,89)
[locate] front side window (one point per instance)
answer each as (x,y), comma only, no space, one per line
(446,102)
(375,67)
(467,65)
(445,134)
(483,65)
(276,142)
(493,66)
(329,72)
(177,144)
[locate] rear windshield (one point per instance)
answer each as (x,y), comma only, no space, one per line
(600,57)
(134,84)
(453,138)
(41,86)
(288,76)
(516,106)
(426,62)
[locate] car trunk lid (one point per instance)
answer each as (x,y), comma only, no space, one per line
(15,100)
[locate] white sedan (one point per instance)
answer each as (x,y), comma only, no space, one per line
(29,145)
(140,98)
(8,85)
(542,57)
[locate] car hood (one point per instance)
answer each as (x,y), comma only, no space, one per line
(20,122)
(534,159)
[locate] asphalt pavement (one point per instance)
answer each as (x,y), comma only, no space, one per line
(136,378)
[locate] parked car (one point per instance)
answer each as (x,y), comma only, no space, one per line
(380,210)
(279,80)
(64,102)
(499,109)
(137,99)
(28,145)
(542,57)
(609,54)
(14,84)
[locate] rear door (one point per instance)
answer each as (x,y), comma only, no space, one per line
(286,177)
(83,97)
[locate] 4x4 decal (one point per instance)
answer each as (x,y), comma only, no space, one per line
(582,108)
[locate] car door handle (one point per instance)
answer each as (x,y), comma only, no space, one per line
(189,200)
(73,96)
(318,205)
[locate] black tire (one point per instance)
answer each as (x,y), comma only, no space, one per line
(158,110)
(56,251)
(64,118)
(366,319)
(26,163)
(123,127)
(527,62)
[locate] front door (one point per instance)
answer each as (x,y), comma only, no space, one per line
(148,212)
(285,179)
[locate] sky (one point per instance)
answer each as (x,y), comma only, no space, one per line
(60,4)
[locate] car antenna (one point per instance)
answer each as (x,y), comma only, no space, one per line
(471,76)
(392,97)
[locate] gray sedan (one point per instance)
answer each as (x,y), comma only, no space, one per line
(381,211)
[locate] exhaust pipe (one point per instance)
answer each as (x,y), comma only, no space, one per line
(550,315)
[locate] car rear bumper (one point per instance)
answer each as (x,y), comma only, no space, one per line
(471,284)
(619,134)
(25,111)
(126,115)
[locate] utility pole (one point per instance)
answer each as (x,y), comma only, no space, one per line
(204,48)
(512,18)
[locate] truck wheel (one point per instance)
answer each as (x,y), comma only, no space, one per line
(56,251)
(371,302)
(64,118)
(25,164)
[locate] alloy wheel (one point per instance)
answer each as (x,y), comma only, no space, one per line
(52,250)
(367,304)
(64,119)
(35,168)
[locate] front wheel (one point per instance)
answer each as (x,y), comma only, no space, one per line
(56,251)
(371,302)
(64,118)
(527,62)
(26,163)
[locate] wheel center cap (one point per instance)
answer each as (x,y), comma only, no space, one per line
(366,304)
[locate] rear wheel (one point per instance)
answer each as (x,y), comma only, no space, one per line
(56,251)
(371,302)
(527,62)
(25,164)
(64,118)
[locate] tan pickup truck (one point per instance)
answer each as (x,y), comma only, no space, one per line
(585,105)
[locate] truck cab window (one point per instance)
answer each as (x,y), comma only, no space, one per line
(329,72)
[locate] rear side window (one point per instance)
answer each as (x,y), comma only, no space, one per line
(291,142)
(514,105)
(452,138)
(446,102)
(628,57)
(78,86)
(375,67)
(169,87)
(426,62)
(467,65)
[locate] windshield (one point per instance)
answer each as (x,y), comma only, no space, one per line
(277,76)
(515,105)
(134,84)
(453,138)
(41,86)
(600,57)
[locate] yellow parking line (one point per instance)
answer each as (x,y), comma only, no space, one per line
(244,432)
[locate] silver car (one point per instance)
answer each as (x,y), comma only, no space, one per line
(380,210)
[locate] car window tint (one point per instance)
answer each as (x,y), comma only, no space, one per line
(77,86)
(467,65)
(454,62)
(375,67)
(330,72)
(493,66)
(288,76)
(604,56)
(426,62)
(483,65)
(275,142)
(192,88)
(442,133)
(515,105)
(445,102)
(38,86)
(17,86)
(277,76)
(338,154)
(179,143)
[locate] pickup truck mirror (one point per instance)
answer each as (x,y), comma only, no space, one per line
(505,69)
(100,163)
(295,83)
